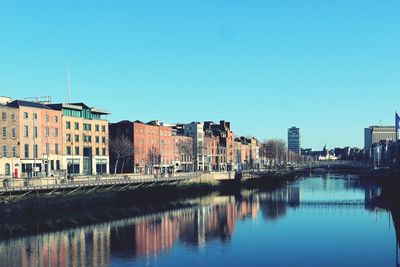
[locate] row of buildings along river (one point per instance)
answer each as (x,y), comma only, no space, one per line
(40,138)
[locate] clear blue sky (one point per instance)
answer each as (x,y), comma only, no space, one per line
(328,67)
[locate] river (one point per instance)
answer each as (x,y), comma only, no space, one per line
(319,220)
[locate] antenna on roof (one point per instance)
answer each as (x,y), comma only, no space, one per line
(69,86)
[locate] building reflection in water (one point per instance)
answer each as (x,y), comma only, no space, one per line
(147,237)
(80,247)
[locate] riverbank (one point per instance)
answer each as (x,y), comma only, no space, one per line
(37,213)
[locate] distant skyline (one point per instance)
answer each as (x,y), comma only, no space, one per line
(330,68)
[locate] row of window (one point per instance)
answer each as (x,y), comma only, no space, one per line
(35,150)
(7,152)
(77,151)
(163,151)
(86,127)
(152,132)
(86,139)
(13,132)
(4,116)
(35,117)
(153,142)
(35,131)
(156,161)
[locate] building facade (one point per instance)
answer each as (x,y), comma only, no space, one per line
(153,145)
(226,148)
(84,139)
(375,134)
(40,138)
(196,131)
(9,150)
(294,140)
(183,159)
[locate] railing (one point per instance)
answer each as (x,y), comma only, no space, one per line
(26,185)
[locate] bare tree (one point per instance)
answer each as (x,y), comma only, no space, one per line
(121,148)
(153,158)
(273,149)
(184,148)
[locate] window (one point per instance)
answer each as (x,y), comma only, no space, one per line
(26,131)
(47,131)
(47,118)
(4,132)
(13,133)
(35,132)
(56,149)
(35,116)
(7,169)
(103,139)
(97,140)
(97,151)
(76,138)
(77,150)
(14,152)
(87,127)
(104,152)
(96,127)
(87,139)
(76,125)
(56,132)
(68,150)
(26,115)
(68,125)
(4,151)
(35,151)
(68,138)
(103,128)
(26,151)
(4,116)
(56,119)
(13,118)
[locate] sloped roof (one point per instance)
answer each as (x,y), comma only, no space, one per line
(23,103)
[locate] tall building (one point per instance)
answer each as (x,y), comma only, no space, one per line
(294,140)
(375,134)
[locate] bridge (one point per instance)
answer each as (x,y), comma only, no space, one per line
(348,166)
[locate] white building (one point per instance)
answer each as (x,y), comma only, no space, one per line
(196,131)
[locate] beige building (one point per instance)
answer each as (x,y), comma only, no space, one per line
(84,139)
(39,136)
(9,149)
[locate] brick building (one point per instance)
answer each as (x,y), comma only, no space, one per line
(226,149)
(212,155)
(153,145)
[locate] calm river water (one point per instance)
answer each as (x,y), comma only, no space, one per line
(324,220)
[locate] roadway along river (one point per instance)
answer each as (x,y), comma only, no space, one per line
(323,220)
